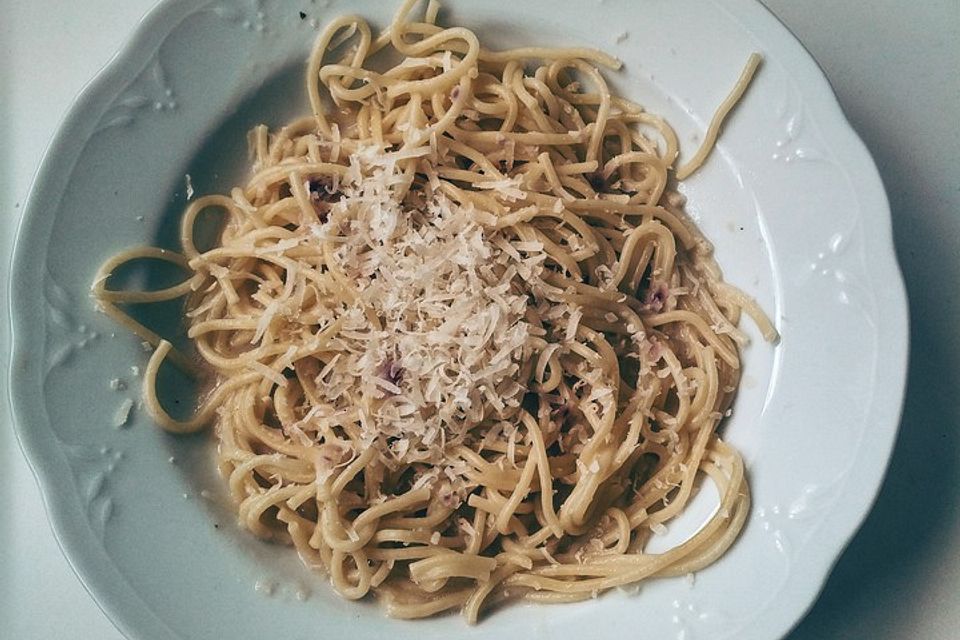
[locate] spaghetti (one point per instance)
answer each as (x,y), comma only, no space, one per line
(467,345)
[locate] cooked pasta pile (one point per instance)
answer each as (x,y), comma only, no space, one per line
(467,346)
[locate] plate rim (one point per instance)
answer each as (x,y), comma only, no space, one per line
(58,493)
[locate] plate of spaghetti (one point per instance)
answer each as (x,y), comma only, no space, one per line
(462,319)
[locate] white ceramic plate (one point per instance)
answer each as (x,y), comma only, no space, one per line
(790,198)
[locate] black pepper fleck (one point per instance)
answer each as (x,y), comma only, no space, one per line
(303,16)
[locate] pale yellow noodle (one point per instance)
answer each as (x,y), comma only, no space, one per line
(710,138)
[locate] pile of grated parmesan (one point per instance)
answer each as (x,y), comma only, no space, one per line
(434,341)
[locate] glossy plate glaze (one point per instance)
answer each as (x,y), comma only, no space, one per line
(790,198)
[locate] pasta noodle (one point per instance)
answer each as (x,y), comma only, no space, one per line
(466,345)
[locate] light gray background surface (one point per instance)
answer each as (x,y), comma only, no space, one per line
(895,69)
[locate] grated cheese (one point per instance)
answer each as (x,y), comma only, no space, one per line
(434,332)
(122,416)
(573,322)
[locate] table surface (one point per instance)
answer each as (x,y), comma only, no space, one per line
(896,74)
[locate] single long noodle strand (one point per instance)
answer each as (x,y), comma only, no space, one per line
(719,116)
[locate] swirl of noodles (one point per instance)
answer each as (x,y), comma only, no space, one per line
(466,344)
